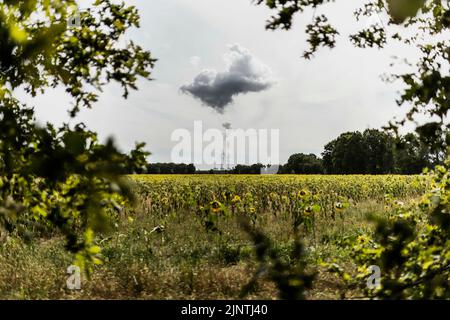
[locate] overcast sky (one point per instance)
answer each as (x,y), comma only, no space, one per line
(217,63)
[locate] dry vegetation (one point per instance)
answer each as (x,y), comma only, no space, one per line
(181,258)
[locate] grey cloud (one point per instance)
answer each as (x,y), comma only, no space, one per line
(244,74)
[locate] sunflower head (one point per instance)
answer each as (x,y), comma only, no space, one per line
(273,195)
(309,210)
(303,193)
(338,206)
(215,206)
(236,199)
(362,239)
(399,203)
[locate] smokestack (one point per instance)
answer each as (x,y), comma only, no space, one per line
(225,156)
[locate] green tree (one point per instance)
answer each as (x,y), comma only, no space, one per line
(327,157)
(248,169)
(301,163)
(420,23)
(412,155)
(349,155)
(379,152)
(411,246)
(63,177)
(346,154)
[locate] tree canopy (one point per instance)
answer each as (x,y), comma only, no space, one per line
(170,168)
(64,177)
(370,152)
(423,24)
(411,247)
(301,163)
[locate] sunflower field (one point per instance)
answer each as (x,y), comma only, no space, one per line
(225,237)
(226,195)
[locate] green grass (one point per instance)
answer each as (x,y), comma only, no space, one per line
(182,262)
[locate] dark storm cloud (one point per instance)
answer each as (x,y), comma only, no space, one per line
(244,74)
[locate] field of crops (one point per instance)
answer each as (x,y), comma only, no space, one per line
(189,237)
(276,194)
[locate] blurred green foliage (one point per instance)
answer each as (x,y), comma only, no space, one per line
(412,246)
(63,180)
(420,23)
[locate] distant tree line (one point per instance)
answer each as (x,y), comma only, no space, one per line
(244,169)
(180,168)
(369,152)
(170,168)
